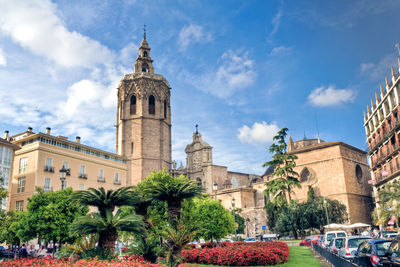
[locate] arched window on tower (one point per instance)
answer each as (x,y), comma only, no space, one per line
(165,109)
(132,109)
(152,105)
(145,54)
(145,67)
(306,175)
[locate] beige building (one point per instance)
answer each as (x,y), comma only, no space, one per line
(41,156)
(7,151)
(334,169)
(337,171)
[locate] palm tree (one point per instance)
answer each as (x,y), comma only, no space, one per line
(164,187)
(388,199)
(104,222)
(177,239)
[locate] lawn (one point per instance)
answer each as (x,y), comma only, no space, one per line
(298,257)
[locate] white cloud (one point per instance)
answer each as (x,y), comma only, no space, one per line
(259,133)
(190,34)
(34,25)
(3,60)
(330,96)
(378,71)
(280,50)
(276,22)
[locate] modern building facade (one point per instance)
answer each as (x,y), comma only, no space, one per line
(382,128)
(7,151)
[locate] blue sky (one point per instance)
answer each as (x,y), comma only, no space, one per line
(240,69)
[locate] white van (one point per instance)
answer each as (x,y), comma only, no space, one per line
(333,234)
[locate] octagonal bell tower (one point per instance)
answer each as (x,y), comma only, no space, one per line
(144,119)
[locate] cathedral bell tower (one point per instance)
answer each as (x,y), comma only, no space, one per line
(144,119)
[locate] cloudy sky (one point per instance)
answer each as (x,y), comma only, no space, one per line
(240,69)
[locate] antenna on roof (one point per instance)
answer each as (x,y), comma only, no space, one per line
(304,138)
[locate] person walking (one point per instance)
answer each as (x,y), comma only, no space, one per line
(22,253)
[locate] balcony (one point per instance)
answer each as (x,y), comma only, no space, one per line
(101,179)
(49,169)
(117,182)
(82,176)
(47,189)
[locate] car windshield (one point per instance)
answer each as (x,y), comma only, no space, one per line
(354,243)
(341,234)
(329,237)
(339,242)
(313,237)
(382,248)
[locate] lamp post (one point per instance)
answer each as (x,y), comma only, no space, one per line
(247,226)
(215,188)
(326,211)
(234,217)
(63,174)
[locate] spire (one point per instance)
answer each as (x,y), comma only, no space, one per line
(365,116)
(290,144)
(398,62)
(144,63)
(387,83)
(377,98)
(368,110)
(372,104)
(394,76)
(197,129)
(382,91)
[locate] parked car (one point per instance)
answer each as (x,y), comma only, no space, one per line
(335,244)
(333,234)
(250,239)
(320,241)
(392,255)
(370,252)
(389,234)
(307,241)
(350,246)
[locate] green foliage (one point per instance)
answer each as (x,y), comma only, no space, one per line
(48,216)
(177,237)
(388,204)
(8,232)
(164,187)
(3,191)
(81,245)
(209,217)
(148,247)
(239,221)
(105,223)
(284,176)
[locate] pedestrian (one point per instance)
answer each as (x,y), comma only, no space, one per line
(22,253)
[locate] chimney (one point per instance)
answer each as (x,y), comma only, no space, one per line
(78,139)
(48,130)
(6,134)
(30,129)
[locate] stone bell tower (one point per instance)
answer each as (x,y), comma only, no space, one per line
(144,119)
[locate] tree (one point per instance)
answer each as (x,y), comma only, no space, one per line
(48,216)
(177,237)
(8,232)
(285,178)
(173,191)
(389,206)
(104,222)
(211,219)
(291,219)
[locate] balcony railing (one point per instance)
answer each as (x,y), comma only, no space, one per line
(48,168)
(101,179)
(82,176)
(117,182)
(47,189)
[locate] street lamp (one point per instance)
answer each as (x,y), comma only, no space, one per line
(247,226)
(215,188)
(63,174)
(234,217)
(326,211)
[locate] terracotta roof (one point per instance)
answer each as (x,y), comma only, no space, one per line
(325,145)
(6,143)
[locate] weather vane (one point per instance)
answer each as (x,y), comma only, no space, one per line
(144,31)
(197,130)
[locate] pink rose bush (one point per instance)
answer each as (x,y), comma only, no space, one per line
(240,254)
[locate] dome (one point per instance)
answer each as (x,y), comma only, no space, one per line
(269,171)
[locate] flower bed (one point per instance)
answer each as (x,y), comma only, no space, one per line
(240,254)
(129,261)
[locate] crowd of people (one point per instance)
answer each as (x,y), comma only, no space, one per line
(24,251)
